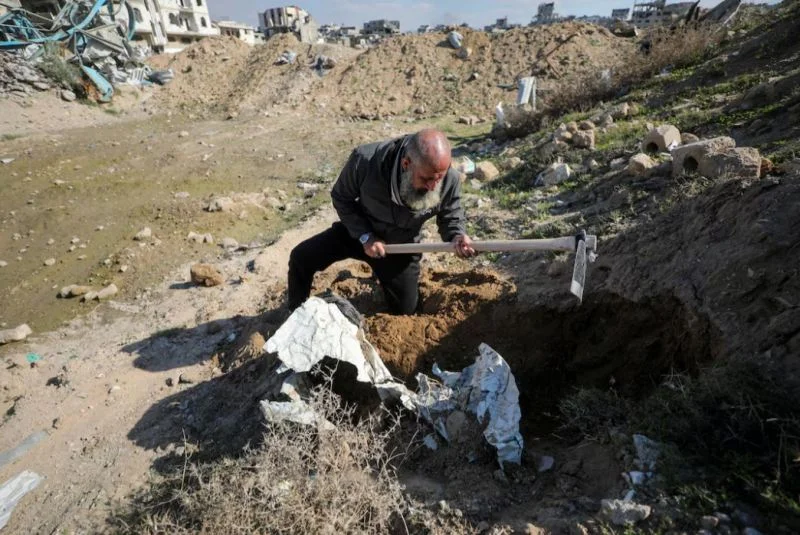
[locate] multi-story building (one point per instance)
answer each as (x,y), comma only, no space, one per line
(171,25)
(546,13)
(239,30)
(290,19)
(658,12)
(382,27)
(621,14)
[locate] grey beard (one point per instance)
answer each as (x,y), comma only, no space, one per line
(418,200)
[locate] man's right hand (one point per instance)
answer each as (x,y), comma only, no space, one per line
(375,248)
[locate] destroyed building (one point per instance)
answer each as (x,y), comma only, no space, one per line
(239,30)
(658,12)
(290,19)
(621,14)
(546,14)
(382,27)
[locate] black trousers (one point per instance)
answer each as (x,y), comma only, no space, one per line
(398,274)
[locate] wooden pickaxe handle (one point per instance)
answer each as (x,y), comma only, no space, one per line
(553,244)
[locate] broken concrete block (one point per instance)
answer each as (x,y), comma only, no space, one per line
(583,139)
(555,174)
(18,334)
(206,275)
(74,290)
(687,138)
(662,139)
(109,291)
(717,158)
(486,171)
(641,165)
(622,513)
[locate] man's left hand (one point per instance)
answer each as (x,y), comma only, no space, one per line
(463,245)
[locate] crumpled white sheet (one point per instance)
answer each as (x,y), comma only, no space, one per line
(486,389)
(13,490)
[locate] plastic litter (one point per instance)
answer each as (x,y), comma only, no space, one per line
(33,358)
(13,490)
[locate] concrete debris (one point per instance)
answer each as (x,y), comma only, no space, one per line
(95,35)
(74,290)
(641,165)
(622,513)
(555,174)
(287,58)
(717,158)
(18,334)
(662,139)
(145,234)
(109,291)
(455,39)
(486,171)
(12,492)
(200,238)
(206,275)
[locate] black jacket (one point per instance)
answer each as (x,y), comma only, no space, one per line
(366,197)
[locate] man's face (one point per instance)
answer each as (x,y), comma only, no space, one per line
(426,177)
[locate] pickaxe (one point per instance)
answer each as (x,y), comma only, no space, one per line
(585,248)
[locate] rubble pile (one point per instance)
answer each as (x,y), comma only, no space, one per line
(94,36)
(19,77)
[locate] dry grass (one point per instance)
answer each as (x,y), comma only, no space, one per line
(301,480)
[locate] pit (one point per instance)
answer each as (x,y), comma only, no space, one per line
(607,341)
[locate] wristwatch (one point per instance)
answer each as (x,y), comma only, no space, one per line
(364,238)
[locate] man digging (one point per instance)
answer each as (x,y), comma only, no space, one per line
(384,195)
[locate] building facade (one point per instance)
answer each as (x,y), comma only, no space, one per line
(171,25)
(382,27)
(241,31)
(290,19)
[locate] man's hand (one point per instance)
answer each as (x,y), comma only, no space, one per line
(463,245)
(375,248)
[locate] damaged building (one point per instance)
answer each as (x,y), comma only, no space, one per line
(239,30)
(382,27)
(658,12)
(291,19)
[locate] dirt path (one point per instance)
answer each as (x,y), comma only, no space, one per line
(99,389)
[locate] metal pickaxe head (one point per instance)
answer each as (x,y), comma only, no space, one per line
(585,252)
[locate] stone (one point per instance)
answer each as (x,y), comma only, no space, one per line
(662,139)
(767,167)
(469,120)
(184,133)
(230,243)
(586,125)
(41,86)
(583,139)
(620,111)
(709,522)
(68,96)
(109,291)
(17,334)
(200,238)
(606,120)
(513,163)
(220,204)
(475,183)
(144,234)
(182,195)
(123,268)
(486,171)
(115,388)
(170,381)
(546,463)
(687,138)
(622,513)
(206,275)
(50,262)
(717,158)
(3,264)
(572,127)
(74,290)
(641,165)
(555,174)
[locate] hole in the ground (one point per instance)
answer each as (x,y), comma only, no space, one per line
(608,340)
(651,147)
(690,165)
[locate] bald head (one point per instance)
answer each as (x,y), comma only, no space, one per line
(430,148)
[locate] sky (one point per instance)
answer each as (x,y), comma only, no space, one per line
(412,13)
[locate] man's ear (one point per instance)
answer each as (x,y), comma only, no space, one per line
(405,162)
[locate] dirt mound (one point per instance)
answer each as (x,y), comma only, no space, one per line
(411,72)
(419,74)
(261,83)
(203,72)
